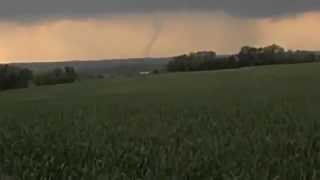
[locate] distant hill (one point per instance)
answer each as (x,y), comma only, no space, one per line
(95,67)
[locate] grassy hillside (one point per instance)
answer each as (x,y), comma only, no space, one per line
(254,123)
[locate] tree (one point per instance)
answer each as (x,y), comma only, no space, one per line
(193,62)
(70,74)
(14,77)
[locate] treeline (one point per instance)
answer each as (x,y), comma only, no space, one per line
(248,56)
(13,77)
(56,76)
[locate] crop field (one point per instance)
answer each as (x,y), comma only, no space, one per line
(253,123)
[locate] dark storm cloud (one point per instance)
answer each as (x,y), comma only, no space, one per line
(42,9)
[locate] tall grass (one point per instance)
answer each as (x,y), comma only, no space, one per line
(260,123)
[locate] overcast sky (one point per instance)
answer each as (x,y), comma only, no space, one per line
(97,29)
(37,9)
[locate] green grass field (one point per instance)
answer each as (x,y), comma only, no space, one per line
(251,123)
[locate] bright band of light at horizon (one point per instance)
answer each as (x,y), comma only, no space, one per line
(154,34)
